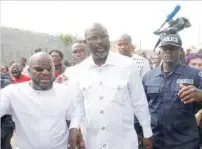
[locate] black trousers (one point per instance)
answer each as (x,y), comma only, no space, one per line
(5,143)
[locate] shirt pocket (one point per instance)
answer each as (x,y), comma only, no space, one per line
(117,90)
(153,90)
(153,93)
(86,88)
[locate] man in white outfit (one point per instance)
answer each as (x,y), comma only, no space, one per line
(39,108)
(109,93)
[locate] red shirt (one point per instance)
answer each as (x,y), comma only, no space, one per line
(23,78)
(56,74)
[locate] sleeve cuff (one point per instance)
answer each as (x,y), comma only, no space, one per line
(147,131)
(74,124)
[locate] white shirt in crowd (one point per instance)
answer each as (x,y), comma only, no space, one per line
(107,98)
(25,70)
(71,72)
(40,116)
(142,64)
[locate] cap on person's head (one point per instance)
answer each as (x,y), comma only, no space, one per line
(171,39)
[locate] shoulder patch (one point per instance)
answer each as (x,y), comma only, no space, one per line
(200,73)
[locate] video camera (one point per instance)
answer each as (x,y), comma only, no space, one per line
(174,26)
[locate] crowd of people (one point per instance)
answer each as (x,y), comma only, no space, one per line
(104,99)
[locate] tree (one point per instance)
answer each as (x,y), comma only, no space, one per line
(68,38)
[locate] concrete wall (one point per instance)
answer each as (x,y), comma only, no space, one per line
(17,43)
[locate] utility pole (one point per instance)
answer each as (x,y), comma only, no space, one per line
(199,37)
(140,46)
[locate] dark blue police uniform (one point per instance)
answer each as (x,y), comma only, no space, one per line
(173,122)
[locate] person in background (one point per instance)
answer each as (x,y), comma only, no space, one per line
(188,52)
(79,53)
(143,54)
(199,51)
(124,43)
(16,72)
(37,50)
(7,124)
(157,60)
(194,60)
(25,67)
(4,69)
(58,62)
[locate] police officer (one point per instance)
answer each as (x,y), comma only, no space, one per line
(173,90)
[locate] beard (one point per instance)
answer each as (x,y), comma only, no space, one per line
(100,54)
(38,86)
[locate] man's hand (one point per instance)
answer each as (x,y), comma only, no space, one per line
(147,142)
(74,136)
(189,94)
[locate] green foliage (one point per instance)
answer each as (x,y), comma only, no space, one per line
(68,38)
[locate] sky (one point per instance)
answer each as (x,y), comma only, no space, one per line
(136,18)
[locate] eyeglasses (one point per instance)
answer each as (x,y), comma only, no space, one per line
(41,69)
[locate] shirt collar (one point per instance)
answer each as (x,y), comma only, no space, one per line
(177,70)
(111,60)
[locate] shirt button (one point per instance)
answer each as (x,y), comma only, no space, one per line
(100,83)
(103,128)
(104,145)
(100,70)
(101,97)
(118,87)
(101,111)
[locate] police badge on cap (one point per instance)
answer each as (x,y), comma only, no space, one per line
(171,39)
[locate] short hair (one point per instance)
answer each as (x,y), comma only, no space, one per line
(24,59)
(5,67)
(37,50)
(57,51)
(79,41)
(192,56)
(18,65)
(95,25)
(125,36)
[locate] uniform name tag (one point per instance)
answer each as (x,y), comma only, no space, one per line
(185,81)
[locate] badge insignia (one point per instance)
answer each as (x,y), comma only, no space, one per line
(185,81)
